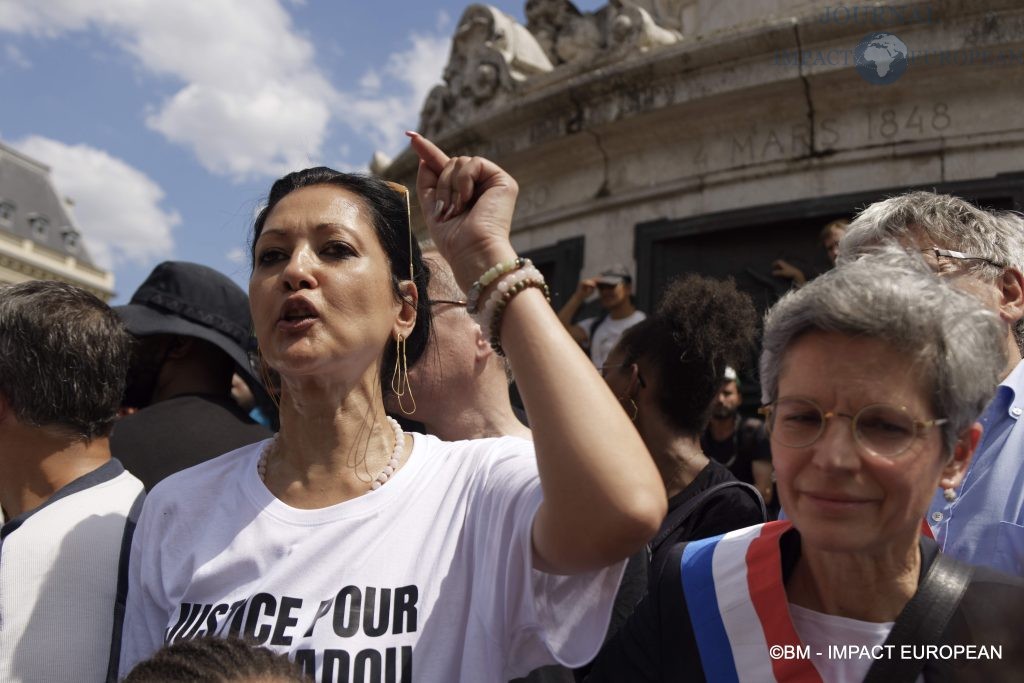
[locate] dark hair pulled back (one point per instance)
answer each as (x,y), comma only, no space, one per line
(700,326)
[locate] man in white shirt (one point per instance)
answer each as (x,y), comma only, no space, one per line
(599,334)
(68,508)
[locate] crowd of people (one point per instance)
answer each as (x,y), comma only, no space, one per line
(380,510)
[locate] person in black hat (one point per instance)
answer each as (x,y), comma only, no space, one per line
(599,334)
(192,325)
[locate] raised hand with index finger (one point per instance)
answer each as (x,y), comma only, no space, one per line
(468,204)
(602,495)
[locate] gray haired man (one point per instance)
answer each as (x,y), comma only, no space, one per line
(460,384)
(982,522)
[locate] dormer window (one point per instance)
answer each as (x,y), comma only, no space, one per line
(71,237)
(6,212)
(39,225)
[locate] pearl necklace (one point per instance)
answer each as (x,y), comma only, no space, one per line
(378,481)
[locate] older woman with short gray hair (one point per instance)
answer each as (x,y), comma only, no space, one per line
(872,376)
(949,339)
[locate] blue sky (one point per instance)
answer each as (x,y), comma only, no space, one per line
(166,122)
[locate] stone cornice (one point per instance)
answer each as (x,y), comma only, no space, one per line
(32,261)
(695,71)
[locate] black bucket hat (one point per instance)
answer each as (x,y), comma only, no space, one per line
(191,300)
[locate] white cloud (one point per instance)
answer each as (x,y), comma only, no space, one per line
(392,98)
(269,131)
(41,19)
(443,22)
(237,255)
(15,56)
(117,206)
(252,103)
(370,81)
(421,66)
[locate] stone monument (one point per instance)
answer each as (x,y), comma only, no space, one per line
(717,136)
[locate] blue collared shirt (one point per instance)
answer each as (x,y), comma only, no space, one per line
(985,524)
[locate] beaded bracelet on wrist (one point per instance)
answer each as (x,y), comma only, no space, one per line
(486,308)
(499,311)
(489,276)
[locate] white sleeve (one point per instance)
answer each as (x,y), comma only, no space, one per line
(537,618)
(145,620)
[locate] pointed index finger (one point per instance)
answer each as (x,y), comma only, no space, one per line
(430,153)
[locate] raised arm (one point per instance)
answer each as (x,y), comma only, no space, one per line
(603,496)
(572,306)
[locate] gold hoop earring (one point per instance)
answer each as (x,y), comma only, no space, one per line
(400,378)
(632,403)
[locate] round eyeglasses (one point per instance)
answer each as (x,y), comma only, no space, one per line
(882,430)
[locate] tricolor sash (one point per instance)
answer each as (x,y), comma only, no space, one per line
(738,607)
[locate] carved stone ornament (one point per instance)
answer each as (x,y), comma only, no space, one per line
(492,56)
(379,163)
(667,14)
(633,28)
(566,34)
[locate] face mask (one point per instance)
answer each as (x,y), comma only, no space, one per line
(144,371)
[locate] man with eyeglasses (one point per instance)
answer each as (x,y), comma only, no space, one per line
(460,385)
(599,334)
(982,521)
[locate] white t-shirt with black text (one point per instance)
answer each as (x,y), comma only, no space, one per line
(428,578)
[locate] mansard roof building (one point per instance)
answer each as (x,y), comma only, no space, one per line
(38,236)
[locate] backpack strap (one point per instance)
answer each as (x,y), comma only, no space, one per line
(121,596)
(593,328)
(675,519)
(924,619)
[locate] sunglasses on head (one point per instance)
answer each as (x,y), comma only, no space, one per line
(404,191)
